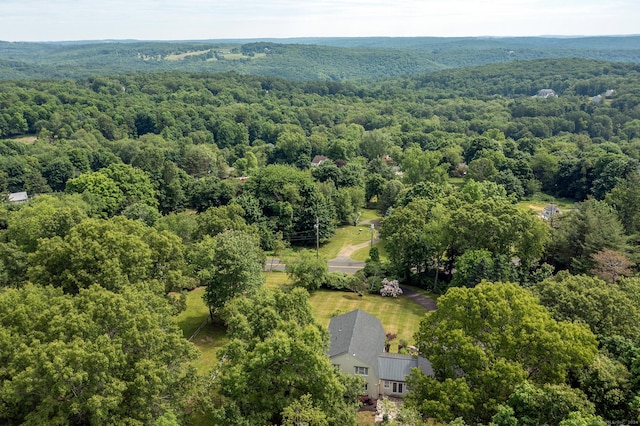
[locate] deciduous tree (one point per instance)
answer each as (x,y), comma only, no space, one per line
(93,358)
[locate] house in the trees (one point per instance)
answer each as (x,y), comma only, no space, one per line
(357,347)
(550,211)
(546,93)
(18,197)
(317,160)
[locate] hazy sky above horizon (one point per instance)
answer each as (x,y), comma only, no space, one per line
(55,20)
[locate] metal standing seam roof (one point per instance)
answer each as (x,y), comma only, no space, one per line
(359,334)
(16,197)
(396,367)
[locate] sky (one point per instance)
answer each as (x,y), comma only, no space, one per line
(58,20)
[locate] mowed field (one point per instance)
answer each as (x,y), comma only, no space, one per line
(398,315)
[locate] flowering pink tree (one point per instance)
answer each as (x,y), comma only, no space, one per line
(390,288)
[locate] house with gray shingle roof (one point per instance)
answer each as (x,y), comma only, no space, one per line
(357,347)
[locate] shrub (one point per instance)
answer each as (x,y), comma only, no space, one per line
(390,288)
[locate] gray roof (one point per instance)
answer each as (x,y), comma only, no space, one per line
(16,197)
(397,366)
(359,334)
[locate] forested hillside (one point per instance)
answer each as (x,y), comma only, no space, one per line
(300,59)
(146,185)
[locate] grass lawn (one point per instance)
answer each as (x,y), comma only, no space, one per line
(275,279)
(398,315)
(362,254)
(350,235)
(540,201)
(345,236)
(211,337)
(365,418)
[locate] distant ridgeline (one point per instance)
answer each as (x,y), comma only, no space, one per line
(335,59)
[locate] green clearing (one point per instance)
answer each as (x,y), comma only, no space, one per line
(181,56)
(537,203)
(362,254)
(398,315)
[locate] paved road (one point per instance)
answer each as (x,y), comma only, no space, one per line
(339,264)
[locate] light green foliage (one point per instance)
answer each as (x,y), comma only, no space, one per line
(547,404)
(348,204)
(230,265)
(198,160)
(481,169)
(135,184)
(276,361)
(499,227)
(609,309)
(183,225)
(494,336)
(101,192)
(115,187)
(292,147)
(44,217)
(142,212)
(475,191)
(113,253)
(415,237)
(13,265)
(216,220)
(303,412)
(375,144)
(308,271)
(93,358)
(422,166)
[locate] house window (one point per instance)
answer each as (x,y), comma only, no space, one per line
(363,371)
(398,387)
(387,384)
(336,366)
(366,386)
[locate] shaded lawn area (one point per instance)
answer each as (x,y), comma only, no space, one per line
(398,315)
(210,339)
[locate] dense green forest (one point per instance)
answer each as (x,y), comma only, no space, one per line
(146,185)
(335,59)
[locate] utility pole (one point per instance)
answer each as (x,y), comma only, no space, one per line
(317,227)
